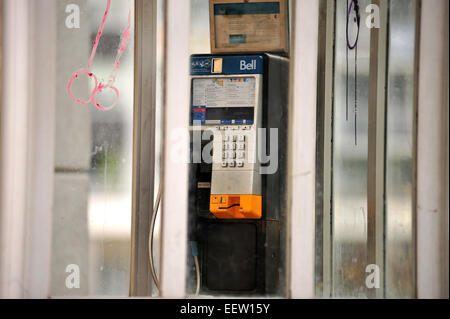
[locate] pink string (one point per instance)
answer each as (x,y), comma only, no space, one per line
(123,45)
(99,86)
(99,33)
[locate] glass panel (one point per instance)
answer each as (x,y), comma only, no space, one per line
(349,185)
(200,37)
(400,257)
(92,199)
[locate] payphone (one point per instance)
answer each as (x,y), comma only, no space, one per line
(237,201)
(230,105)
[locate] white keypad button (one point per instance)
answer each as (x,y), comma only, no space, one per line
(240,164)
(241,155)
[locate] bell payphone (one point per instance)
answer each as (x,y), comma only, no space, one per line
(230,106)
(236,204)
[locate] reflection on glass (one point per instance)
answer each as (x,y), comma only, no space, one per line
(349,186)
(399,151)
(92,211)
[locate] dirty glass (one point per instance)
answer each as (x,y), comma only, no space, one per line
(93,156)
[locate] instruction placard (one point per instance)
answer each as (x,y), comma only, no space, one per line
(242,26)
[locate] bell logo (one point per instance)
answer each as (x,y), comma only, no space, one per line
(248,66)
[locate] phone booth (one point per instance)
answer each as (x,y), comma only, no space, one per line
(237,204)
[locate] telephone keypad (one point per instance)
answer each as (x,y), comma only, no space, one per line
(233,146)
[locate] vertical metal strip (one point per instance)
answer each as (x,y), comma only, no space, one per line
(445,167)
(445,164)
(319,254)
(328,148)
(414,154)
(372,168)
(376,141)
(143,144)
(380,145)
(324,148)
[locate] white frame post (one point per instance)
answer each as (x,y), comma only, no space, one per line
(175,171)
(27,142)
(302,149)
(432,152)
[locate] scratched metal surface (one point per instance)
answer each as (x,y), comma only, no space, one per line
(400,130)
(349,180)
(349,164)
